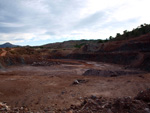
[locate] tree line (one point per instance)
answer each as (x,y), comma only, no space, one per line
(140,30)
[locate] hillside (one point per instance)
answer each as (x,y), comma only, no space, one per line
(134,52)
(127,35)
(136,32)
(70,44)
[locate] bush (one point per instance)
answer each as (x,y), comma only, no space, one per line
(79,45)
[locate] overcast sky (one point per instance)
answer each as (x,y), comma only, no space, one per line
(37,22)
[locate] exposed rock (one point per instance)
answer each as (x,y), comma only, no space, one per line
(75,82)
(4,107)
(78,81)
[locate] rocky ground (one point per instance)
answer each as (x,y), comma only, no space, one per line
(93,104)
(72,86)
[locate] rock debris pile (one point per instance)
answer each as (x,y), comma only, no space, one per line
(4,107)
(93,104)
(44,63)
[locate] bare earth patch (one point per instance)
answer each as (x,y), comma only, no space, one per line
(49,88)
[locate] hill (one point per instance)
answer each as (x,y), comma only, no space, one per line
(70,44)
(9,45)
(136,32)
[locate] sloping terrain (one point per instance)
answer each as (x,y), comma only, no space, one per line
(133,52)
(70,44)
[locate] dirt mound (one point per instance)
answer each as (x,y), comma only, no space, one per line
(95,104)
(108,73)
(99,73)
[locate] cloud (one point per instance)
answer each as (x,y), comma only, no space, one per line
(91,20)
(46,21)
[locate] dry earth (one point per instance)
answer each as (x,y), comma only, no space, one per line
(49,88)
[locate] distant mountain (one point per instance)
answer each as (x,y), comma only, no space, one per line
(7,45)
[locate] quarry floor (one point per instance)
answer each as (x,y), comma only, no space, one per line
(51,87)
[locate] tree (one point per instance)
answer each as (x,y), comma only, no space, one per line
(118,35)
(100,41)
(141,25)
(110,38)
(125,31)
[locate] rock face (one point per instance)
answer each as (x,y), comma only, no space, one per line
(16,60)
(133,52)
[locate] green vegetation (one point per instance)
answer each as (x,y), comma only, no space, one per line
(140,30)
(79,45)
(41,47)
(102,41)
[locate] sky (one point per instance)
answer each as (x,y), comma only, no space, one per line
(38,22)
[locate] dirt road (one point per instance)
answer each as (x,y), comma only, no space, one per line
(4,52)
(51,87)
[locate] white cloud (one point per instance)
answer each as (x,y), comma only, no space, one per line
(16,37)
(132,9)
(4,24)
(54,20)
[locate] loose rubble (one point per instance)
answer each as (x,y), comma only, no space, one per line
(79,81)
(144,96)
(4,107)
(93,104)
